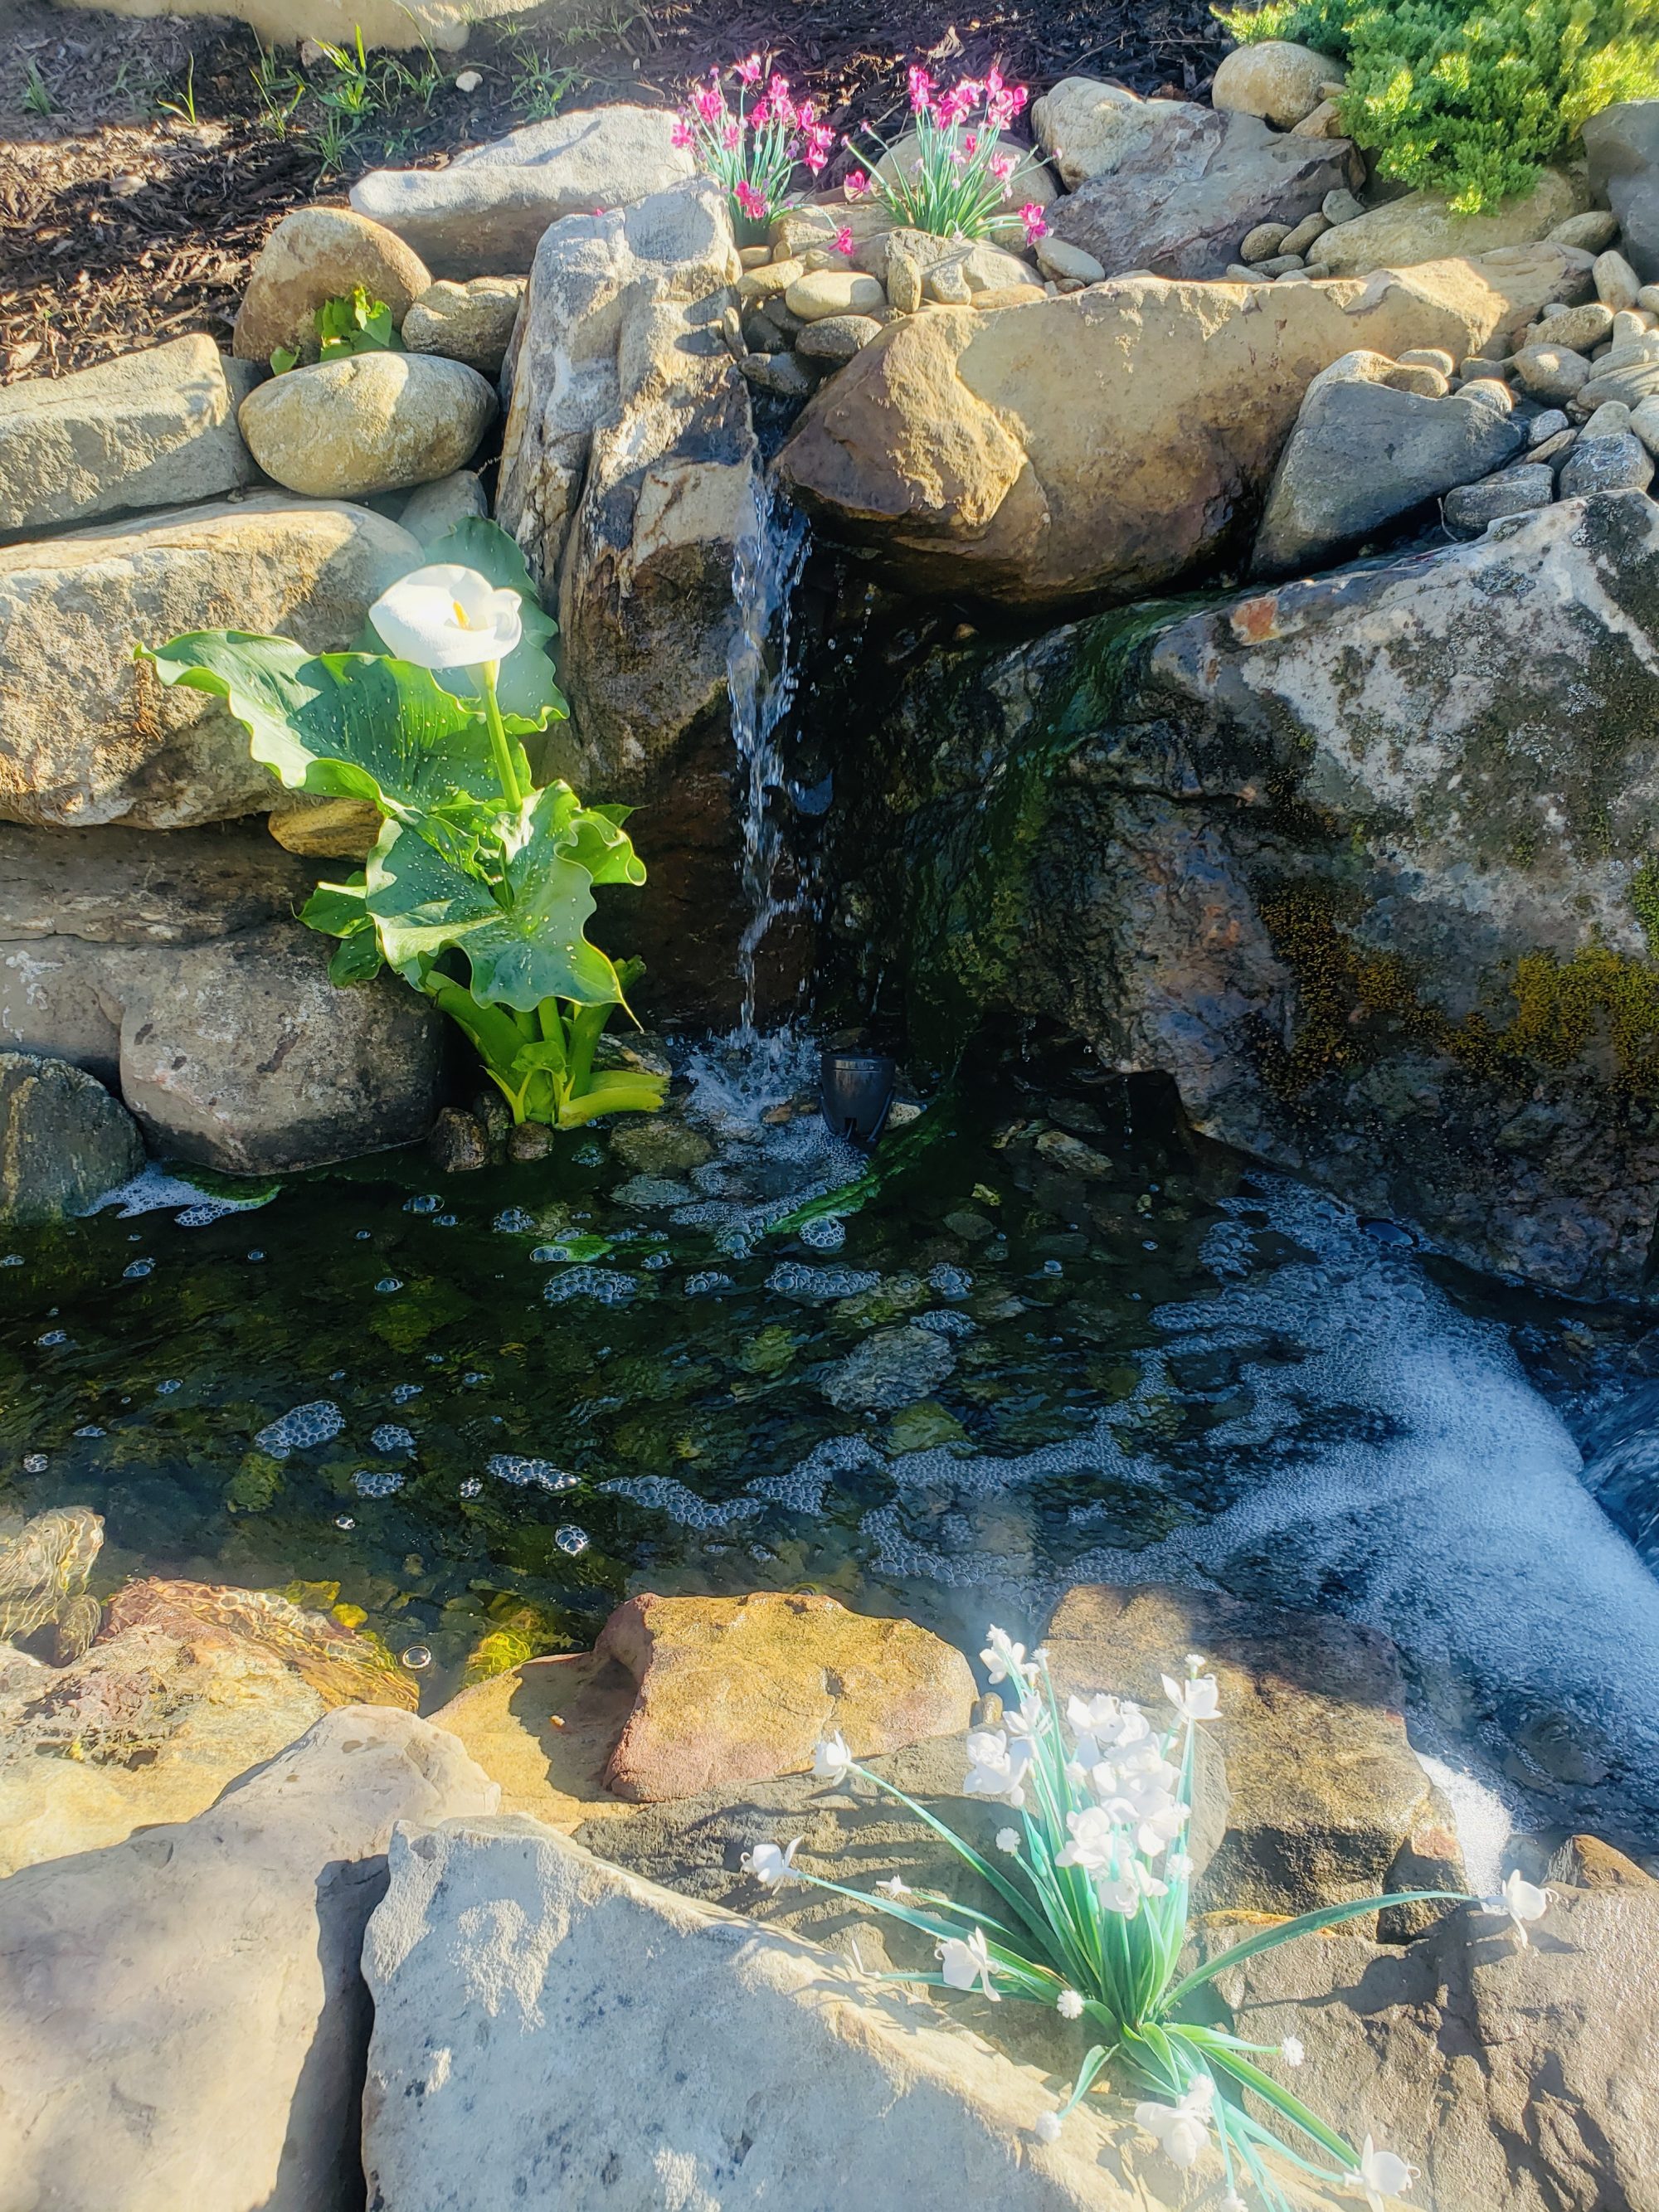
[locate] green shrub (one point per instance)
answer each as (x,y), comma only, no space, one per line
(1467,99)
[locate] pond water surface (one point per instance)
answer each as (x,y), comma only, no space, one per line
(1049,1337)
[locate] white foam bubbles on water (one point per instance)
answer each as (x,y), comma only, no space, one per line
(1392,1463)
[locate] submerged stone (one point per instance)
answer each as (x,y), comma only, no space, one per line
(894,1367)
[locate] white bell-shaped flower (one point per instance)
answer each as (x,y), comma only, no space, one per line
(831,1760)
(1520,1901)
(1183,2129)
(1380,2174)
(771,1866)
(447,616)
(966,1964)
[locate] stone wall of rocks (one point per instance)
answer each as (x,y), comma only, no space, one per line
(147,930)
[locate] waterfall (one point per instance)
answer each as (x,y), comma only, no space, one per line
(761,678)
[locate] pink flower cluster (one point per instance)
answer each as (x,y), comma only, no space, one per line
(1003,101)
(754,149)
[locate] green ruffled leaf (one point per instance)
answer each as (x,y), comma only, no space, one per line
(343,725)
(525,947)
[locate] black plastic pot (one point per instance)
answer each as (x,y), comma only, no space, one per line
(856,1089)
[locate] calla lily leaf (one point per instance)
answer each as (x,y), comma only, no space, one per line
(524,947)
(343,724)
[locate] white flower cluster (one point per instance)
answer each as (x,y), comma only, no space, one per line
(1137,1811)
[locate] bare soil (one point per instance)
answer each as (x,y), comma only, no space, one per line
(142,166)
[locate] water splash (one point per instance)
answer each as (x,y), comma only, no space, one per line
(761,678)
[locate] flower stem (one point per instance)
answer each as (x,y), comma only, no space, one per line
(505,774)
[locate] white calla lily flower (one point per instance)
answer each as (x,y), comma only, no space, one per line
(445,616)
(967,1965)
(1380,2174)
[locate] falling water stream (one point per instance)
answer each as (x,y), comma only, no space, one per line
(761,678)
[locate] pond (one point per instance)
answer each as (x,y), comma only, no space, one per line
(1045,1336)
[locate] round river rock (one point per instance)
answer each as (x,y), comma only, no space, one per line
(376,421)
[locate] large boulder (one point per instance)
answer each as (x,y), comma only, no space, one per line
(241,1055)
(149,429)
(86,915)
(1115,442)
(1362,863)
(545,1732)
(529,1997)
(1424,227)
(63,1140)
(629,475)
(314,255)
(88,735)
(1180,192)
(741,1689)
(442,25)
(1326,1800)
(1364,453)
(373,422)
(486,213)
(1520,2078)
(1622,143)
(182,2017)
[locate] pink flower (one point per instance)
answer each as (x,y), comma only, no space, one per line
(731,137)
(681,134)
(783,109)
(1001,167)
(708,102)
(921,92)
(751,202)
(749,71)
(1031,215)
(855,184)
(820,144)
(844,238)
(970,142)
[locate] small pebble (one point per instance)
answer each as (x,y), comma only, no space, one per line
(1549,424)
(1617,284)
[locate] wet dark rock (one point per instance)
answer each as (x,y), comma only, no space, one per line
(63,1140)
(458,1143)
(1358,861)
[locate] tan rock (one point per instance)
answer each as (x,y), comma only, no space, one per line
(1520,2079)
(89,736)
(1025,295)
(1551,372)
(441,25)
(741,1689)
(545,1732)
(1110,441)
(1086,127)
(471,322)
(182,2016)
(1324,121)
(148,1727)
(1577,328)
(1617,283)
(326,829)
(770,281)
(1586,1862)
(342,1668)
(1325,1791)
(1421,227)
(821,292)
(798,229)
(1275,79)
(1593,231)
(320,253)
(1056,259)
(149,429)
(374,422)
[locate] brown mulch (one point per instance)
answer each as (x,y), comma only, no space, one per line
(122,225)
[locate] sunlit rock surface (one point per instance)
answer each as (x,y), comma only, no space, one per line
(1118,440)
